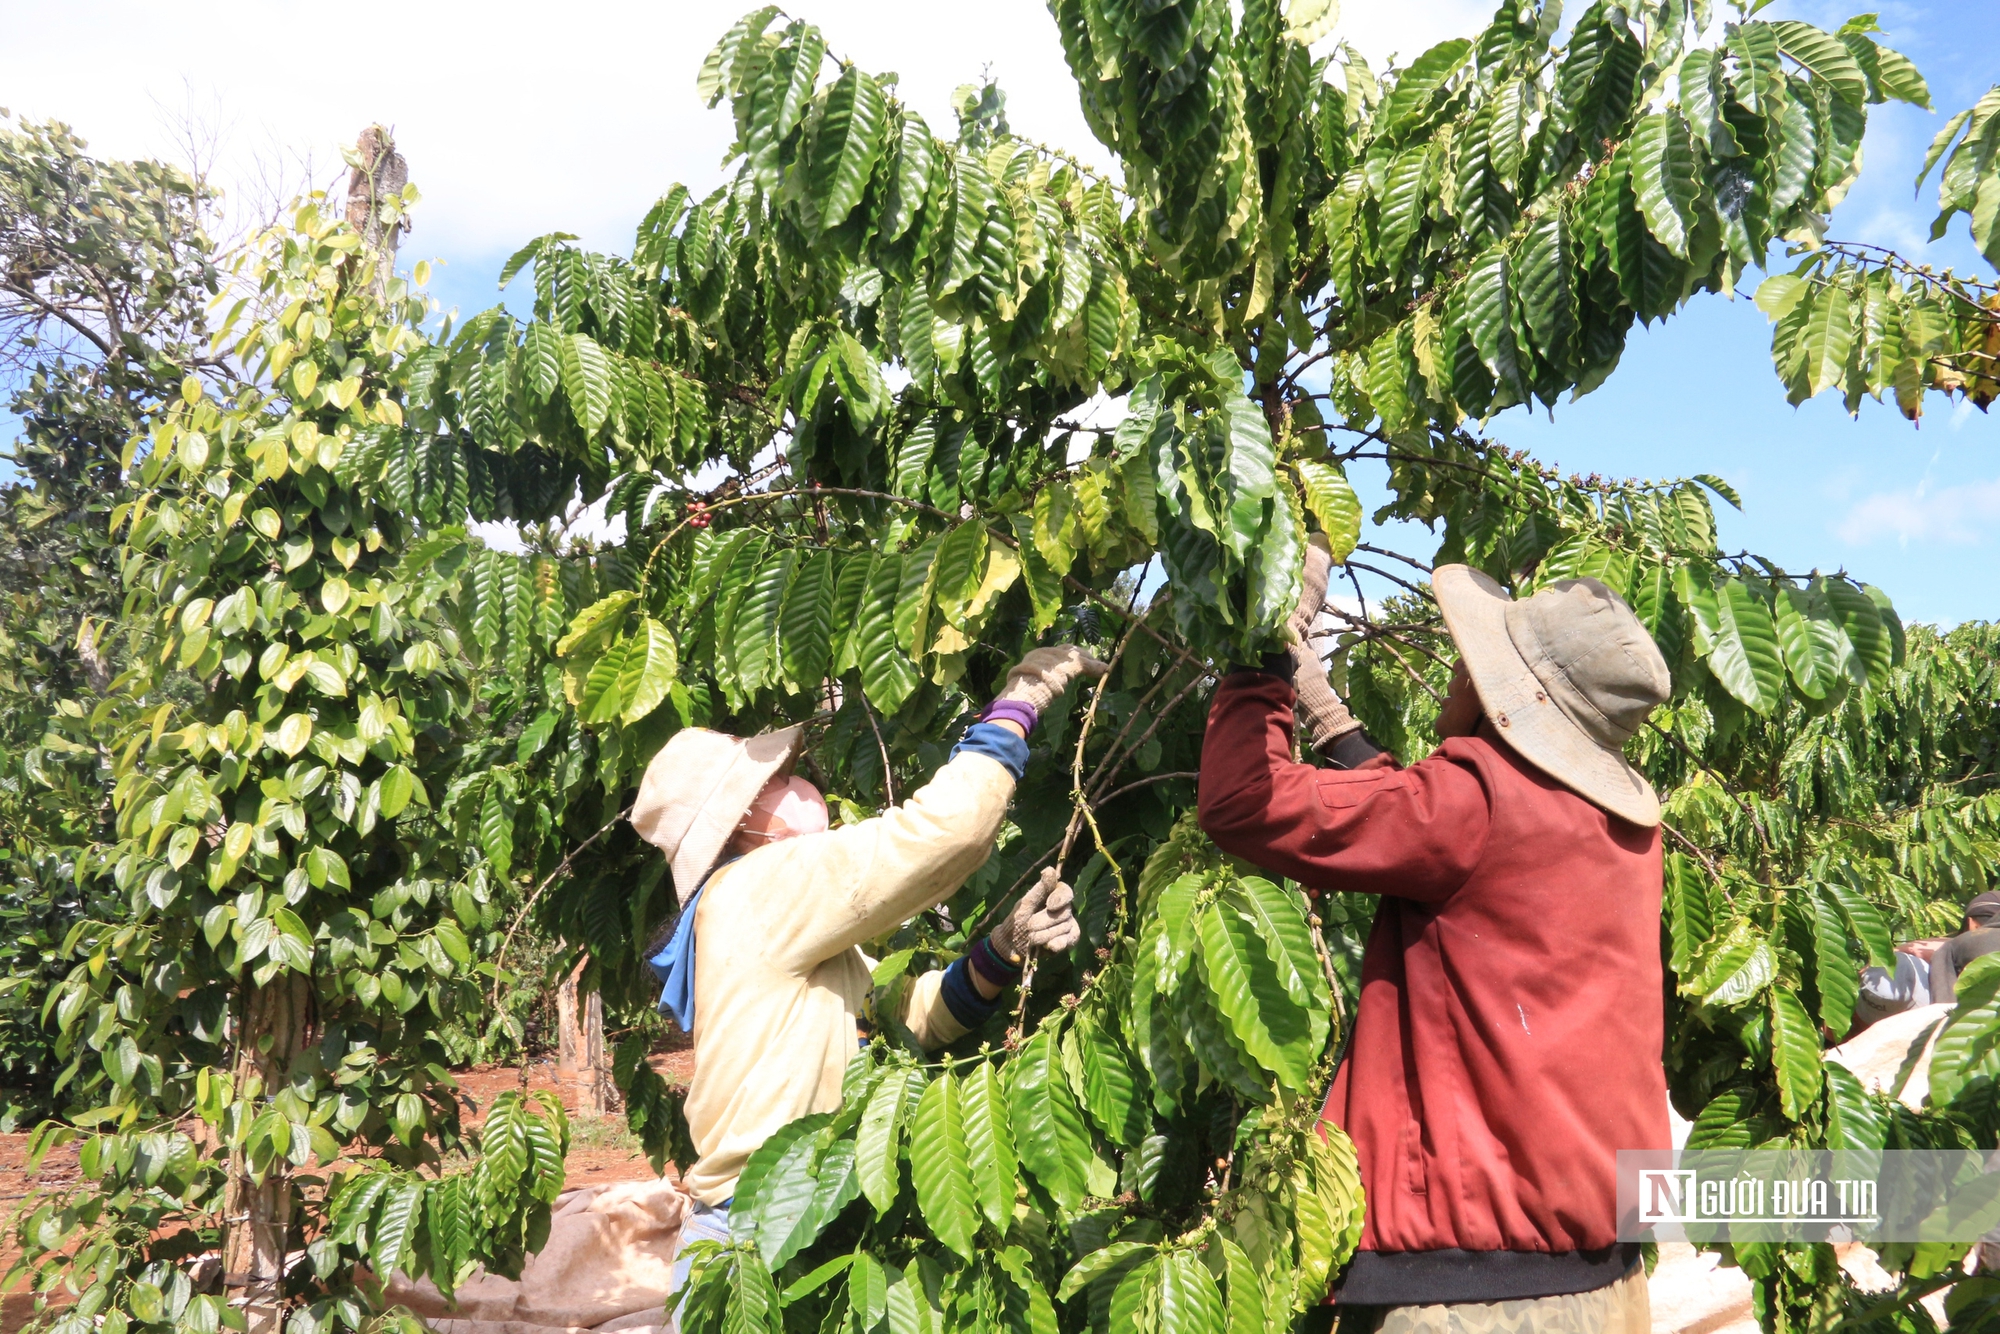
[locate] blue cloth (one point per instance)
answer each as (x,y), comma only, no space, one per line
(995,743)
(962,998)
(674,966)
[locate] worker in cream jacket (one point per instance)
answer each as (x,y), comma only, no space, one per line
(764,967)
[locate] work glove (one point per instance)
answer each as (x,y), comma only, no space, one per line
(1326,717)
(1312,585)
(1045,673)
(1042,920)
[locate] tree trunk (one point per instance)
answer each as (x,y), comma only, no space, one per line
(257,1215)
(378,177)
(583,1071)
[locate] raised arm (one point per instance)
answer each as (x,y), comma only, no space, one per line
(823,893)
(828,892)
(1416,833)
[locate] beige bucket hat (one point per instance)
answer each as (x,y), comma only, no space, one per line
(1566,676)
(698,789)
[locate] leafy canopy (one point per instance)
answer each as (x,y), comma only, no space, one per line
(886,342)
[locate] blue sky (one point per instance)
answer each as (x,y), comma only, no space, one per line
(1915,510)
(516,126)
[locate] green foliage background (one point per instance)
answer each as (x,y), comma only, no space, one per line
(332,747)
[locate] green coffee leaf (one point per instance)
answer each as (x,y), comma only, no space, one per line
(1853,1118)
(1795,1052)
(1810,656)
(1836,974)
(1332,504)
(1666,172)
(806,625)
(879,1142)
(1111,1088)
(887,675)
(989,1142)
(1969,1047)
(778,1196)
(594,626)
(646,671)
(1745,655)
(1272,1027)
(752,652)
(1689,911)
(1823,54)
(1327,1188)
(1861,623)
(587,380)
(1736,968)
(1863,920)
(846,145)
(1189,1301)
(1100,1262)
(940,1165)
(1049,1130)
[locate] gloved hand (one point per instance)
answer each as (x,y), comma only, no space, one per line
(1312,585)
(1042,920)
(1326,717)
(1046,672)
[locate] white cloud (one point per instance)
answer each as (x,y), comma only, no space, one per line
(517,119)
(1962,515)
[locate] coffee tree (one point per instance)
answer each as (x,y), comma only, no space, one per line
(1868,321)
(879,348)
(890,340)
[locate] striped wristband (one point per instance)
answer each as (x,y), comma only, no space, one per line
(990,966)
(1014,711)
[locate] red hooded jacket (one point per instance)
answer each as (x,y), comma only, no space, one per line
(1507,1043)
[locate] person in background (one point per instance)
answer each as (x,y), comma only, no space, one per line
(775,907)
(1887,991)
(1981,936)
(1507,1042)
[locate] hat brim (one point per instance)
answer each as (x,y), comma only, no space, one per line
(752,764)
(1475,612)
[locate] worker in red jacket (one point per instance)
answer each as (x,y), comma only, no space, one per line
(1507,1043)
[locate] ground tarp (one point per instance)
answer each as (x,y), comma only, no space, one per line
(607,1266)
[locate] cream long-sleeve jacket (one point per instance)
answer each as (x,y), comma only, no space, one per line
(779,976)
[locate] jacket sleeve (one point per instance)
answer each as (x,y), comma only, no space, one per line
(1415,833)
(1944,973)
(926,1015)
(824,893)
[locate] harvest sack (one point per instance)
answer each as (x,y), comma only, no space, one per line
(608,1266)
(1893,1056)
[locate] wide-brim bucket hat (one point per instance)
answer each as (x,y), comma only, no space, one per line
(697,790)
(1566,676)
